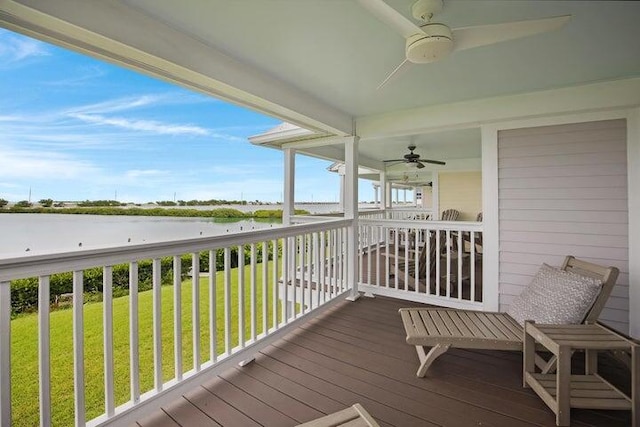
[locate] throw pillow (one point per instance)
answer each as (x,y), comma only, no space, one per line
(555,296)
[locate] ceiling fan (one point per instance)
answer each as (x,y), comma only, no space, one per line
(431,41)
(412,159)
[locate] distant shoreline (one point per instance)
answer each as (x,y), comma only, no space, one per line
(154,211)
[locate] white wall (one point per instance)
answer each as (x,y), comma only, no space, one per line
(563,190)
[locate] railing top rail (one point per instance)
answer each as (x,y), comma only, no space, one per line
(429,225)
(38,265)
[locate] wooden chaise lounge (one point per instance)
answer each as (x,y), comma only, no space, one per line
(442,328)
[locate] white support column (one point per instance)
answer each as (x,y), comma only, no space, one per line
(415,196)
(342,184)
(384,196)
(388,193)
(490,222)
(633,182)
(351,213)
(435,196)
(376,195)
(289,185)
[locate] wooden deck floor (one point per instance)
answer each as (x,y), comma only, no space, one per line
(356,353)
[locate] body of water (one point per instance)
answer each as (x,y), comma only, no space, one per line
(31,234)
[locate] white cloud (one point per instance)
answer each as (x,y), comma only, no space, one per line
(14,49)
(20,164)
(86,74)
(143,125)
(116,105)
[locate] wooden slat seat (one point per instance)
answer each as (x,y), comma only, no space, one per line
(441,328)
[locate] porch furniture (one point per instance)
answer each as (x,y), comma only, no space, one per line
(441,328)
(354,416)
(450,215)
(563,390)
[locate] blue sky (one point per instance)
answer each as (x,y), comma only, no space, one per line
(75,128)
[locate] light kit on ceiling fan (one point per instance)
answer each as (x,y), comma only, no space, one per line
(432,41)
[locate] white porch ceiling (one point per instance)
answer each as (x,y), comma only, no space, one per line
(336,51)
(317,63)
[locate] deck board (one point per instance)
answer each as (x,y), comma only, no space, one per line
(357,353)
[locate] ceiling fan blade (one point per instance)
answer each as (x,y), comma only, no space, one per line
(393,160)
(481,35)
(395,71)
(391,17)
(434,162)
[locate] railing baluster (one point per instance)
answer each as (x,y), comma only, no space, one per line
(378,255)
(294,274)
(265,287)
(227,300)
(177,317)
(396,242)
(316,266)
(195,307)
(472,266)
(213,292)
(134,358)
(448,249)
(286,260)
(276,286)
(241,313)
(44,350)
(323,265)
(300,276)
(429,273)
(368,244)
(253,292)
(78,347)
(406,263)
(331,266)
(309,269)
(416,262)
(157,324)
(460,252)
(361,237)
(107,302)
(437,260)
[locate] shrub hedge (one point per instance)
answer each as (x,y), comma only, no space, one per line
(24,292)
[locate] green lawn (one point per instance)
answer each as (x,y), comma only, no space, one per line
(24,349)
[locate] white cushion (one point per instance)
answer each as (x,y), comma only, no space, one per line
(555,296)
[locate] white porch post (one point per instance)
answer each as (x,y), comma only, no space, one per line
(633,177)
(388,194)
(342,184)
(384,196)
(435,197)
(376,189)
(289,185)
(351,213)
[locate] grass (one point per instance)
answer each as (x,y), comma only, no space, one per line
(24,347)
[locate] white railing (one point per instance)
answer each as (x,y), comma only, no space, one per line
(241,307)
(436,262)
(397,214)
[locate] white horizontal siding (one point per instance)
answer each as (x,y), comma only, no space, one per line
(563,191)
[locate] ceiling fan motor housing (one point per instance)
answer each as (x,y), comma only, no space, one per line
(435,44)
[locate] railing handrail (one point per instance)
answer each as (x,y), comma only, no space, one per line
(45,264)
(431,225)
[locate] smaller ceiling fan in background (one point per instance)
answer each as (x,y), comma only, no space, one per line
(432,41)
(412,159)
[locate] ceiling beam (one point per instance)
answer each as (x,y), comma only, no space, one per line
(614,94)
(120,34)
